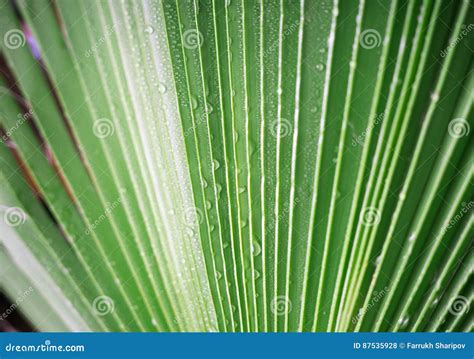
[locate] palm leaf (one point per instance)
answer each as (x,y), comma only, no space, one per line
(237,165)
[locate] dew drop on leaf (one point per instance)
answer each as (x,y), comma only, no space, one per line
(256,249)
(403,321)
(162,88)
(194,102)
(378,260)
(149,29)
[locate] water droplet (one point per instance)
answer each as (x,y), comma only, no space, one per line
(215,165)
(209,108)
(189,231)
(194,103)
(403,321)
(242,189)
(256,274)
(149,29)
(162,88)
(256,249)
(320,67)
(218,275)
(378,260)
(435,97)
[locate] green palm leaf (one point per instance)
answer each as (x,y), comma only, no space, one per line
(237,165)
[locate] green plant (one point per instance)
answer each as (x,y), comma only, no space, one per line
(238,165)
